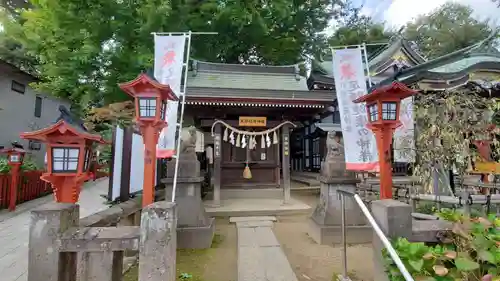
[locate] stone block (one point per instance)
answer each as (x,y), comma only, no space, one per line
(393,217)
(47,223)
(196,237)
(158,242)
(395,220)
(332,234)
(326,220)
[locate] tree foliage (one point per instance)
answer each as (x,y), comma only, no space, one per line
(448,28)
(83,49)
(355,28)
(448,124)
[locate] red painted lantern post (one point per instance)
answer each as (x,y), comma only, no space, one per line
(15,160)
(150,108)
(382,106)
(69,151)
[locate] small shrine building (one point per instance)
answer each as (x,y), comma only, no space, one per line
(250,110)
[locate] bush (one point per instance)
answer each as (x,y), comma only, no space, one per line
(28,165)
(471,251)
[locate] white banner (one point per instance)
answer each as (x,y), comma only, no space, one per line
(168,69)
(350,83)
(404,138)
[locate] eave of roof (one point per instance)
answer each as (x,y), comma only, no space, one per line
(418,70)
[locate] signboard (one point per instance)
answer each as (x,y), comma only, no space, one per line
(350,83)
(250,121)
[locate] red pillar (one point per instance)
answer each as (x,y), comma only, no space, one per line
(150,138)
(14,172)
(384,141)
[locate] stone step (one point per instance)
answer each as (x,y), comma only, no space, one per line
(305,180)
(260,257)
(247,219)
(309,175)
(255,193)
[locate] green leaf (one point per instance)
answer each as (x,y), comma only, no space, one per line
(480,242)
(416,264)
(486,256)
(466,264)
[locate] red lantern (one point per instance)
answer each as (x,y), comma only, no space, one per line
(382,107)
(69,151)
(151,99)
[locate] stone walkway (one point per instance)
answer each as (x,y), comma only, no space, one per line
(14,229)
(260,257)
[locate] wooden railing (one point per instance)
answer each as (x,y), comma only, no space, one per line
(30,187)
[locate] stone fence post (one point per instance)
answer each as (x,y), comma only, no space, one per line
(395,220)
(158,242)
(45,261)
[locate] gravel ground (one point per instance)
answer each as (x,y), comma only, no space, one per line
(311,261)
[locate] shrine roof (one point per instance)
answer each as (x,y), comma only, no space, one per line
(236,76)
(61,127)
(453,69)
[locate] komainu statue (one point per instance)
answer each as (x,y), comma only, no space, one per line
(188,140)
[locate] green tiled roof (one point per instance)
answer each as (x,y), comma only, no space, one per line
(231,76)
(259,81)
(465,63)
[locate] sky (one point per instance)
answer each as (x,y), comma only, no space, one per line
(397,12)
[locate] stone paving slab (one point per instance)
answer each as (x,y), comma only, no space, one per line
(251,219)
(14,229)
(257,237)
(260,257)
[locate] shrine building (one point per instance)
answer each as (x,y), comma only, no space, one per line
(251,110)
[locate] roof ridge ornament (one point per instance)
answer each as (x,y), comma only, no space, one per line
(297,72)
(194,66)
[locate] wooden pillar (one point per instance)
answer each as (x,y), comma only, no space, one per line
(285,163)
(128,135)
(217,163)
(277,171)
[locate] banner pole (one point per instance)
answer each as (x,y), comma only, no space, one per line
(365,54)
(182,101)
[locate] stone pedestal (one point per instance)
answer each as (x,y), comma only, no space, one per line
(325,224)
(195,230)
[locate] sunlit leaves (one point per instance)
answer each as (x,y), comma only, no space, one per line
(449,28)
(82,49)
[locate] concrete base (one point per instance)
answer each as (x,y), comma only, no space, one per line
(198,237)
(332,234)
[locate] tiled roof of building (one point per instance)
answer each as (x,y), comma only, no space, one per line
(257,77)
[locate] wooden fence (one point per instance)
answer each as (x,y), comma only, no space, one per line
(30,187)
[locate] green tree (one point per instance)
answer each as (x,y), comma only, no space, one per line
(84,48)
(356,28)
(448,28)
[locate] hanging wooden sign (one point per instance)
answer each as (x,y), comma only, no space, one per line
(252,121)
